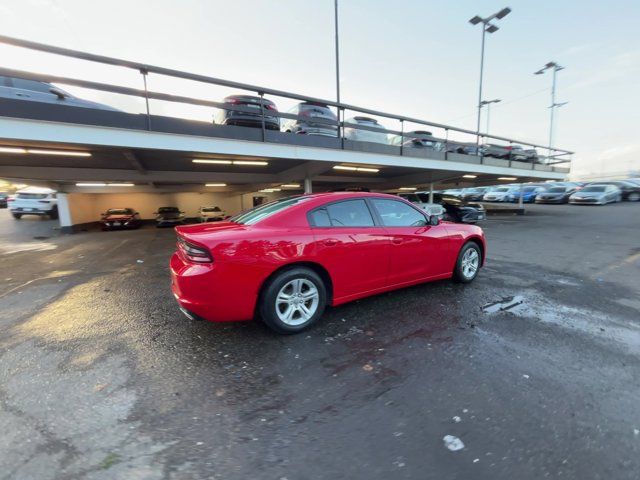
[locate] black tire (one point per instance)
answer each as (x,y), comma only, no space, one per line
(267,302)
(634,197)
(17,216)
(54,213)
(458,272)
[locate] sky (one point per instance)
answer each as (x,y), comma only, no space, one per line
(418,58)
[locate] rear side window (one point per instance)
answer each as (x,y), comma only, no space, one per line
(398,214)
(263,211)
(350,213)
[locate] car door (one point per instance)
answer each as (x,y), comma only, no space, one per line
(417,250)
(351,245)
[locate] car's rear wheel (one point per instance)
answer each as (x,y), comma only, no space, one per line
(468,263)
(17,216)
(634,197)
(293,300)
(53,215)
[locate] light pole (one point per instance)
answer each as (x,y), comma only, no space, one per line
(556,68)
(337,52)
(488,104)
(489,27)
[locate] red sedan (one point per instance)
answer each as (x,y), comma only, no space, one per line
(286,260)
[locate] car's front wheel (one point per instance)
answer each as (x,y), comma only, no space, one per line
(468,264)
(293,300)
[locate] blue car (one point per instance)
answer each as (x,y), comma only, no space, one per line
(529,194)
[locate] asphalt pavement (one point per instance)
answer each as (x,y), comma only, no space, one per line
(532,371)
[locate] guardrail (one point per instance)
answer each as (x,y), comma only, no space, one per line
(554,157)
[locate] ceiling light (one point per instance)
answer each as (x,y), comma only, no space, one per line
(408,188)
(469,176)
(249,162)
(217,162)
(291,185)
(270,190)
(215,184)
(507,178)
(121,185)
(356,169)
(67,153)
(12,150)
(91,184)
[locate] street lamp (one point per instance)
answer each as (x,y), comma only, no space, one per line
(556,68)
(487,27)
(488,104)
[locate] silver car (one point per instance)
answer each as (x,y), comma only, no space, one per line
(596,195)
(317,120)
(33,91)
(362,135)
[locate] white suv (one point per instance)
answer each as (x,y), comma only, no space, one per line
(34,201)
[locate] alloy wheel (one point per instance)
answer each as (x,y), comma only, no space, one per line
(470,263)
(297,301)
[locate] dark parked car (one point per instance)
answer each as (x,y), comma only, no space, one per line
(3,199)
(169,217)
(317,120)
(34,91)
(556,194)
(473,194)
(630,191)
(460,211)
(120,218)
(251,113)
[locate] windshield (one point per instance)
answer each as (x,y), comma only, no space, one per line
(211,209)
(168,210)
(261,212)
(502,189)
(557,190)
(529,189)
(594,188)
(120,211)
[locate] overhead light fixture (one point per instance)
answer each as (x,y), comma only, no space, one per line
(12,150)
(215,184)
(408,188)
(356,169)
(291,185)
(230,162)
(103,184)
(250,162)
(66,153)
(507,178)
(270,190)
(469,176)
(217,162)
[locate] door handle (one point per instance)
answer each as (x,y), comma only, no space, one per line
(396,240)
(330,242)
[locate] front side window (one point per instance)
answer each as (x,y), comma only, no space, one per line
(398,214)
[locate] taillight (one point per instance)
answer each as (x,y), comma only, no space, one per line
(269,106)
(194,253)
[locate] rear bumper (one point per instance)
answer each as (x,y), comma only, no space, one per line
(24,211)
(207,291)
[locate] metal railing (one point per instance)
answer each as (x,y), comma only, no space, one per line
(555,156)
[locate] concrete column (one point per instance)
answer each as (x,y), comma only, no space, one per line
(64,213)
(307,185)
(431,192)
(521,200)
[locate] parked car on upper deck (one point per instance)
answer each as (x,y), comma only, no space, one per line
(596,194)
(34,201)
(362,135)
(418,139)
(33,91)
(312,123)
(251,115)
(287,260)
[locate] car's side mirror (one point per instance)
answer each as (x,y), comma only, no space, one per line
(58,93)
(433,220)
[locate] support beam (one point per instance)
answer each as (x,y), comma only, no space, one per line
(308,188)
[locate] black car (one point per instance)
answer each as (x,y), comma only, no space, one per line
(630,191)
(169,217)
(318,119)
(3,199)
(251,113)
(120,218)
(460,211)
(473,194)
(556,194)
